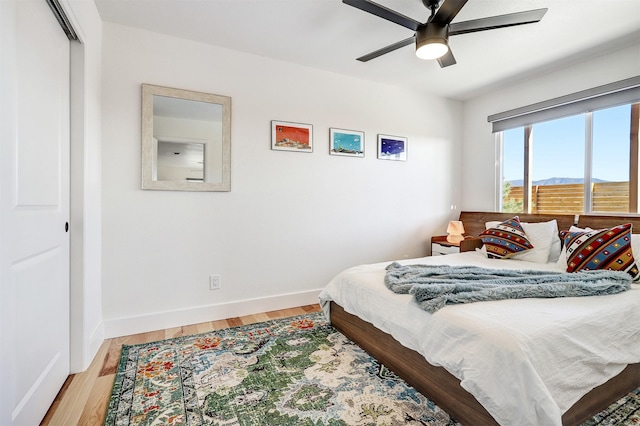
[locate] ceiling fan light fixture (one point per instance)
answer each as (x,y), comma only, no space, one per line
(432,50)
(432,41)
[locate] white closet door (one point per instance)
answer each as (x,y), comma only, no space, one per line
(34,192)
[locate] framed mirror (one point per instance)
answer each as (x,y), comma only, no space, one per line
(186,140)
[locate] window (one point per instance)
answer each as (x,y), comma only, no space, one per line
(582,150)
(611,160)
(577,164)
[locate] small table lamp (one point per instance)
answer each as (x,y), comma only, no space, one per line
(455,231)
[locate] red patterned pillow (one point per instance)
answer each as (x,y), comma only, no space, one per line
(505,239)
(601,249)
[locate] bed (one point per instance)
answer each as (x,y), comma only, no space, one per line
(509,382)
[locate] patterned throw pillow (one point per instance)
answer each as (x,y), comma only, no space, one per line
(505,239)
(601,249)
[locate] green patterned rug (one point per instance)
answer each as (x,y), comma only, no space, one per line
(293,371)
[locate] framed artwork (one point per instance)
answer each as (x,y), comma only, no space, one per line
(349,143)
(286,136)
(392,148)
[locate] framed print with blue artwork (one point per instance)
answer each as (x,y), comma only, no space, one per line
(392,148)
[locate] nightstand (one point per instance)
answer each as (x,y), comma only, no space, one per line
(440,246)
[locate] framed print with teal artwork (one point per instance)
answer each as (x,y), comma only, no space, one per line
(349,143)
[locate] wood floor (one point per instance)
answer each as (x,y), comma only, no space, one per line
(84,397)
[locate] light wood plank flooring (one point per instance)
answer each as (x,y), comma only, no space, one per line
(84,397)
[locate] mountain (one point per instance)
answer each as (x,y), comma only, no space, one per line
(554,181)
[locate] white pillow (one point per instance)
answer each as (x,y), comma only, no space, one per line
(635,245)
(541,235)
(556,244)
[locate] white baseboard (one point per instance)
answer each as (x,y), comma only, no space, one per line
(95,341)
(161,320)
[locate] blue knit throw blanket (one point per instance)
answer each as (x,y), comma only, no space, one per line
(434,286)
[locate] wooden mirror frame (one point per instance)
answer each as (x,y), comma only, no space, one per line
(148,181)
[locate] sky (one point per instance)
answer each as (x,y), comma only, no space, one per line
(349,141)
(558,147)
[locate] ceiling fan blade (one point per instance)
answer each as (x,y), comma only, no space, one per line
(447,11)
(494,22)
(384,13)
(447,59)
(387,49)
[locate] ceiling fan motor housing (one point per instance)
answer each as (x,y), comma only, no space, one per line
(432,33)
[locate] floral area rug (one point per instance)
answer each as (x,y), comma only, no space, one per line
(625,411)
(294,371)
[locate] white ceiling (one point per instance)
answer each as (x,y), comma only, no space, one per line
(330,35)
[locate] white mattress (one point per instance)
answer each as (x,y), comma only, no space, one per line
(526,361)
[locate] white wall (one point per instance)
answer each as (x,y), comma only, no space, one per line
(87,332)
(479,150)
(292,220)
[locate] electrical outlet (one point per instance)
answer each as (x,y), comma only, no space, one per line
(214,282)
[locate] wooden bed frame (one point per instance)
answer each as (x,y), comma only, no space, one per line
(442,387)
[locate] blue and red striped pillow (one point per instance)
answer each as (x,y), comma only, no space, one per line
(601,249)
(505,239)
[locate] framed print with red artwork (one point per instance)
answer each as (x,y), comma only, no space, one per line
(287,136)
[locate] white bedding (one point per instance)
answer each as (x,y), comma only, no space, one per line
(526,361)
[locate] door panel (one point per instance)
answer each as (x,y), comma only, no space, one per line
(40,359)
(43,82)
(34,171)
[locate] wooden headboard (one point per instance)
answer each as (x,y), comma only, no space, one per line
(600,222)
(474,222)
